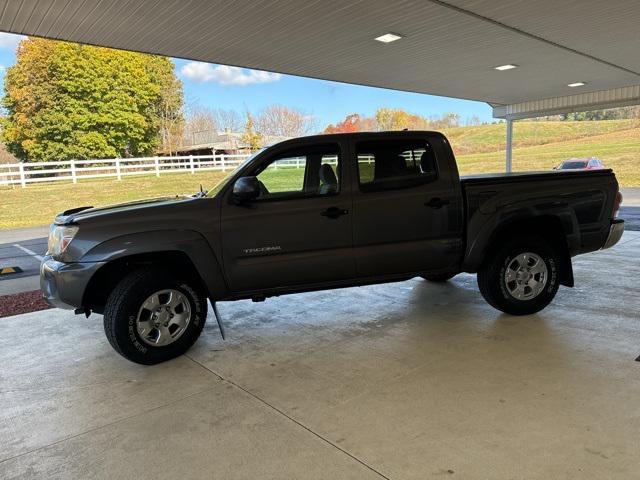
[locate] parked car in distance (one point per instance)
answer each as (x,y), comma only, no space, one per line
(323,212)
(592,163)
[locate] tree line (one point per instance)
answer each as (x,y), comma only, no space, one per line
(397,119)
(620,113)
(272,121)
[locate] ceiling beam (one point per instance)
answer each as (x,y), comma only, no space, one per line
(582,102)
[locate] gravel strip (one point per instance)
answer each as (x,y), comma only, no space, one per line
(22,303)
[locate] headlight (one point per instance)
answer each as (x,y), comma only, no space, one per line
(60,237)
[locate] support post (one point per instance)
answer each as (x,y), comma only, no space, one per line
(157,165)
(118,173)
(191,165)
(509,145)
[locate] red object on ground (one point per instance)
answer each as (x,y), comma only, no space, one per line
(22,303)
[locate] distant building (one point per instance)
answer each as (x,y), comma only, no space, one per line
(5,156)
(208,142)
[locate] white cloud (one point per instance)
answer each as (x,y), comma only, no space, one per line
(9,41)
(225,75)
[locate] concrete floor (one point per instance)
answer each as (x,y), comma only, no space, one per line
(403,381)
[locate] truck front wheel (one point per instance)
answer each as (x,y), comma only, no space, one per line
(521,277)
(151,316)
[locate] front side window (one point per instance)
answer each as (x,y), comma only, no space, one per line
(303,172)
(388,164)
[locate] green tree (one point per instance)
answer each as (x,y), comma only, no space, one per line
(66,101)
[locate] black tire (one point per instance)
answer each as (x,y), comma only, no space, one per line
(439,277)
(492,276)
(124,303)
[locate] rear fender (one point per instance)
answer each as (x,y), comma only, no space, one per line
(558,225)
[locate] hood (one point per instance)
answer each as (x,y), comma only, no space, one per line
(138,207)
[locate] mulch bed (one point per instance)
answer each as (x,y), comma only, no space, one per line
(22,303)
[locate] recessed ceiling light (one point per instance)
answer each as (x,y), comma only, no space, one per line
(508,66)
(388,37)
(576,84)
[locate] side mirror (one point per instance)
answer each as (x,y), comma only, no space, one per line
(246,189)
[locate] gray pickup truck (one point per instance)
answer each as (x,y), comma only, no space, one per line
(324,212)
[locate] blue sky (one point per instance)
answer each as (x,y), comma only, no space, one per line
(218,86)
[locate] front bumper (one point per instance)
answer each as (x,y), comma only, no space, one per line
(615,233)
(63,284)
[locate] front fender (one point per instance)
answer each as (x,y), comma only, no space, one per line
(190,242)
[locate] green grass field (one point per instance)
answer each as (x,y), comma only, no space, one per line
(618,149)
(492,138)
(38,204)
(538,146)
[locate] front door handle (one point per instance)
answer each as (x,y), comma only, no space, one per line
(436,202)
(334,212)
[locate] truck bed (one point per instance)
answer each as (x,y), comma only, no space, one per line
(499,178)
(582,200)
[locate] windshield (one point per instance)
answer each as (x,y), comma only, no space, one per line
(573,165)
(220,185)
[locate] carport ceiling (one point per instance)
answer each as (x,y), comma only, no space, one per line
(448,47)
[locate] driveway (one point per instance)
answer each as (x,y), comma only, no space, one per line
(409,380)
(22,248)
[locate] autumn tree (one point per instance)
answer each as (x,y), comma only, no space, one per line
(351,123)
(66,101)
(250,136)
(397,119)
(281,121)
(393,119)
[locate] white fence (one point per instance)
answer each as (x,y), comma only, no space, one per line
(74,170)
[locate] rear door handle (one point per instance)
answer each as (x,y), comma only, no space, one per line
(436,202)
(334,212)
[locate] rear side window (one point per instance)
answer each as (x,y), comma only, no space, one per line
(390,164)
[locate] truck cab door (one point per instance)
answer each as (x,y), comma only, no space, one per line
(407,214)
(298,231)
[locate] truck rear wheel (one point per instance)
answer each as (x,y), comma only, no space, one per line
(521,277)
(151,317)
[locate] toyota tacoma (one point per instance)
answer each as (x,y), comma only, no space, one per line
(324,212)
